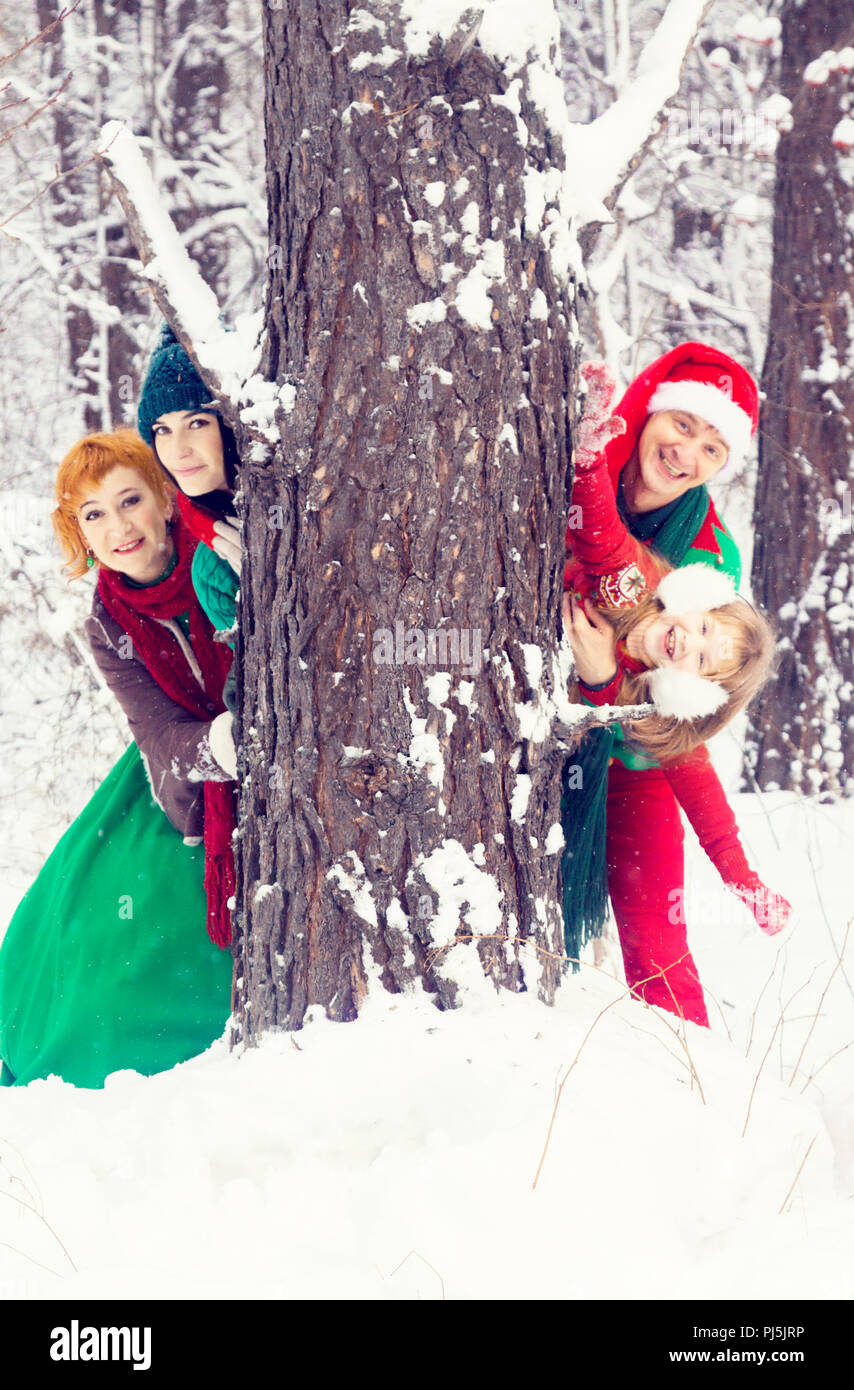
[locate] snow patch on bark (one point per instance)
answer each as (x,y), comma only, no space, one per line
(360,107)
(539,309)
(384,59)
(431,311)
(520,797)
(465,895)
(472,300)
(555,840)
(354,882)
(424,749)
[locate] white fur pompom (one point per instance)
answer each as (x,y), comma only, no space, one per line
(681,695)
(695,589)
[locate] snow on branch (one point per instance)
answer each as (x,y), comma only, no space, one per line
(188,304)
(569,735)
(608,145)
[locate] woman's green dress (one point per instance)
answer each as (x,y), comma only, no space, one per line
(106,964)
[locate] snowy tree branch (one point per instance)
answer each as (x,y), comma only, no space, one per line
(616,139)
(186,302)
(602,717)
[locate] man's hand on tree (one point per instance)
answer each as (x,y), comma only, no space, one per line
(597,426)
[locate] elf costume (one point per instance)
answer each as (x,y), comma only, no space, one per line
(609,560)
(106,964)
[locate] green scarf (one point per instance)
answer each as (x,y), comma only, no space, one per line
(584,781)
(676,536)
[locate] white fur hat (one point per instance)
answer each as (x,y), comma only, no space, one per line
(681,695)
(694,588)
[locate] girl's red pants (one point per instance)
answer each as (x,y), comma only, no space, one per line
(646,881)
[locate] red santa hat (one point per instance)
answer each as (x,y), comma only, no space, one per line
(696,378)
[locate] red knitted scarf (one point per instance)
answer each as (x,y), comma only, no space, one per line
(140,613)
(197,520)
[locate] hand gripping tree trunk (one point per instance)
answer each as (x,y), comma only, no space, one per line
(399,610)
(801,731)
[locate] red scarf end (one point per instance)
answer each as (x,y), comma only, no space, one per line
(219,887)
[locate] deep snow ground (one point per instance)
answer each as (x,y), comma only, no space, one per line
(395,1158)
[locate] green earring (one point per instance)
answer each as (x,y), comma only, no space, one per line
(90,559)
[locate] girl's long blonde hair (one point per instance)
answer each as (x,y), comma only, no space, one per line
(753,661)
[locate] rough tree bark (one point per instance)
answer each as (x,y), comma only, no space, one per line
(398,626)
(802,735)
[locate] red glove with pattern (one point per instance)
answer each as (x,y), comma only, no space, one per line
(772,912)
(597,426)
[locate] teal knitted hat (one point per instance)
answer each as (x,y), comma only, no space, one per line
(171,383)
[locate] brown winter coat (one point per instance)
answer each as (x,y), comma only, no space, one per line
(174,744)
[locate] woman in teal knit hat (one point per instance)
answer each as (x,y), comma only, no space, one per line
(198,451)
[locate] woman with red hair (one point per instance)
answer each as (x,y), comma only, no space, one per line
(106,964)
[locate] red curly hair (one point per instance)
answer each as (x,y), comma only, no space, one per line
(89,461)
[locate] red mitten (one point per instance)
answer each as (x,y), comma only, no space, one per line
(772,912)
(597,426)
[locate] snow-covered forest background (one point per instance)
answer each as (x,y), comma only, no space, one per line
(742,1141)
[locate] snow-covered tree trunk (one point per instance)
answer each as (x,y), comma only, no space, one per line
(399,619)
(803,569)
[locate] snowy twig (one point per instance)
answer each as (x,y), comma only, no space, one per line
(717,1003)
(619,136)
(811,1078)
(37,1214)
(418,1255)
(60,178)
(685,290)
(21,125)
(817,1014)
(780,1019)
(566,1077)
(797,1175)
(48,29)
(626,994)
(827,920)
(759,1001)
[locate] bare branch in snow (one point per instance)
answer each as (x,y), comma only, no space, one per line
(43,34)
(22,125)
(60,178)
(602,717)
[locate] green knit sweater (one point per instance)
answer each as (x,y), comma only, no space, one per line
(216,585)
